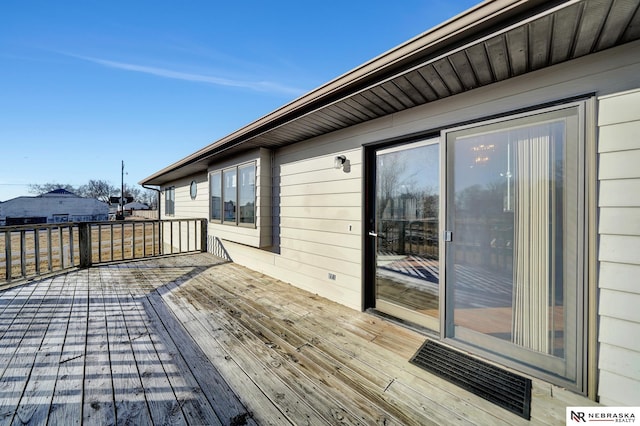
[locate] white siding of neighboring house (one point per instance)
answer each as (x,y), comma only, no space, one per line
(55,208)
(619,250)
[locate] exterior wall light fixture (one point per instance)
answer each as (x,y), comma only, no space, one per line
(339,161)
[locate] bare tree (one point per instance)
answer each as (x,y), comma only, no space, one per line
(132,191)
(99,189)
(149,197)
(40,189)
(389,170)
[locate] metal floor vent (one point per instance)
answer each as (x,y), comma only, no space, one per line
(501,387)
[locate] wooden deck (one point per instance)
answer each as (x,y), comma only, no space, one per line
(192,340)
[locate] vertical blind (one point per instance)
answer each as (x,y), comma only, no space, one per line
(532,239)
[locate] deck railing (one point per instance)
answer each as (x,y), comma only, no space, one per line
(418,237)
(29,251)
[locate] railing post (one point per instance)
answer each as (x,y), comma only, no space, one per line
(84,243)
(153,237)
(23,253)
(203,235)
(7,255)
(36,248)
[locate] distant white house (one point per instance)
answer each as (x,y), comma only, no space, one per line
(57,206)
(135,206)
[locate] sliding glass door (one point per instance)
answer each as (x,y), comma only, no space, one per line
(480,235)
(406,232)
(514,206)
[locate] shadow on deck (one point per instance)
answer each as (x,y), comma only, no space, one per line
(192,339)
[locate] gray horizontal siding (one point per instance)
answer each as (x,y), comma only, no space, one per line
(619,248)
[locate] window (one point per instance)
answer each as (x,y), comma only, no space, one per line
(233,195)
(514,283)
(193,190)
(247,193)
(170,200)
(230,194)
(215,183)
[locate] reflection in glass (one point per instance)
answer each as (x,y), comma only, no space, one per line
(215,184)
(505,270)
(407,198)
(230,195)
(247,193)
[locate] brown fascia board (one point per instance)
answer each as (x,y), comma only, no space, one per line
(473,23)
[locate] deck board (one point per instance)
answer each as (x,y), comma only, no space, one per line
(246,358)
(98,405)
(66,406)
(38,393)
(189,368)
(275,347)
(350,354)
(194,340)
(21,342)
(124,334)
(294,350)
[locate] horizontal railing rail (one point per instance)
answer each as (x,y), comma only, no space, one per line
(29,251)
(411,237)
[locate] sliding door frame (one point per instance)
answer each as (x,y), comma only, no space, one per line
(501,352)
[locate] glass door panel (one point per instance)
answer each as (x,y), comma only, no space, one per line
(513,209)
(406,232)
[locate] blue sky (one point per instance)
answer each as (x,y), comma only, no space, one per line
(87,84)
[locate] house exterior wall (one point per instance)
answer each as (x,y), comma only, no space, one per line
(317,221)
(318,230)
(619,248)
(319,208)
(185,208)
(258,236)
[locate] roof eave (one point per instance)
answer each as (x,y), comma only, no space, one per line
(471,23)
